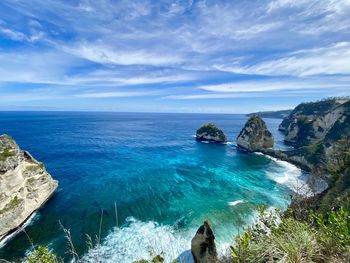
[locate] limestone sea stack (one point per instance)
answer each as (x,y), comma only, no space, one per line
(255,136)
(25,186)
(203,246)
(209,132)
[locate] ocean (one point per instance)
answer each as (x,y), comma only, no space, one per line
(140,182)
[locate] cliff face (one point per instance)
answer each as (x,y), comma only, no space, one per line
(25,185)
(255,136)
(310,122)
(320,131)
(209,132)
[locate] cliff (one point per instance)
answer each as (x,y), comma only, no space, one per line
(25,186)
(280,114)
(310,122)
(255,136)
(209,132)
(319,131)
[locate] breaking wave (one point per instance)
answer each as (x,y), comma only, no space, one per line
(139,240)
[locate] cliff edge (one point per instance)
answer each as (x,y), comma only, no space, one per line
(25,186)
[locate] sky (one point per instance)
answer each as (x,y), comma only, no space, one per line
(172,56)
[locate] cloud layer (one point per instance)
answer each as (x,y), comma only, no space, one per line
(172,54)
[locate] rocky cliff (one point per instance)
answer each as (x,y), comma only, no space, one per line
(320,131)
(209,132)
(25,186)
(203,246)
(310,122)
(255,136)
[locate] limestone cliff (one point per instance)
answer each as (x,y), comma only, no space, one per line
(320,131)
(209,132)
(310,122)
(255,136)
(25,186)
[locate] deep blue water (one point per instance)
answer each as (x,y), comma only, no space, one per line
(152,168)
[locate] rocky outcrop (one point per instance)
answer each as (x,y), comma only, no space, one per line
(255,136)
(310,122)
(203,245)
(320,131)
(209,132)
(25,186)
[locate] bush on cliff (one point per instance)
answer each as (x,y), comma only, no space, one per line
(318,239)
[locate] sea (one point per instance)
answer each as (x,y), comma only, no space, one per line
(132,185)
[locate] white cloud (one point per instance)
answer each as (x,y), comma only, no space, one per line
(108,55)
(14,35)
(114,94)
(333,59)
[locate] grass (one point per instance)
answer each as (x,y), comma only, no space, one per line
(6,153)
(318,239)
(11,205)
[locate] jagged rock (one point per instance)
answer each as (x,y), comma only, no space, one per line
(25,186)
(310,122)
(203,246)
(209,132)
(255,136)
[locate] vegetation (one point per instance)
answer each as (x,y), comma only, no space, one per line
(42,255)
(212,130)
(272,114)
(12,204)
(6,153)
(318,239)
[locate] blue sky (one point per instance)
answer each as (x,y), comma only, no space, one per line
(172,56)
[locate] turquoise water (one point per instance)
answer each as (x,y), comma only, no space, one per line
(163,182)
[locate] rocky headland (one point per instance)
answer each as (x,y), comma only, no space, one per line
(209,132)
(320,134)
(25,186)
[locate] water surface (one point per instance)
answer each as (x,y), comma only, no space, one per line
(163,182)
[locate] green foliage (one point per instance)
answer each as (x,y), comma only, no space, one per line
(334,229)
(11,205)
(6,153)
(322,238)
(212,130)
(41,255)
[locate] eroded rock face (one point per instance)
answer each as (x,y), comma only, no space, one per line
(310,122)
(255,136)
(209,132)
(25,185)
(203,245)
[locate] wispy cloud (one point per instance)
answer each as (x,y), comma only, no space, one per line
(324,60)
(189,49)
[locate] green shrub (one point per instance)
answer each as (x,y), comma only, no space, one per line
(290,241)
(41,255)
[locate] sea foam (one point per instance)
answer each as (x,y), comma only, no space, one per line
(138,240)
(234,203)
(290,176)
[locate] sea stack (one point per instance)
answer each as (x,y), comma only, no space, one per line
(255,136)
(209,132)
(203,245)
(25,186)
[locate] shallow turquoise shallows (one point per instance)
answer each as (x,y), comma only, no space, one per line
(149,166)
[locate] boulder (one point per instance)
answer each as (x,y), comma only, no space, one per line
(209,132)
(203,245)
(255,136)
